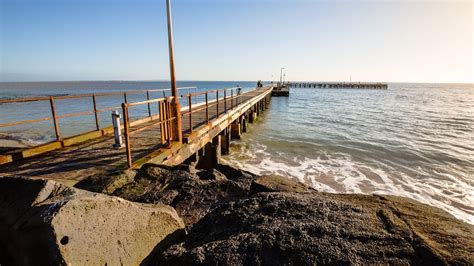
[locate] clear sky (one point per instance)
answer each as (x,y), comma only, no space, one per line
(392,41)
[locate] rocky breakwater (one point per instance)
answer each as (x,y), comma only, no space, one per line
(234,217)
(46,223)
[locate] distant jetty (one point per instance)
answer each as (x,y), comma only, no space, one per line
(339,85)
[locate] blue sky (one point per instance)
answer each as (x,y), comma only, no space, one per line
(393,41)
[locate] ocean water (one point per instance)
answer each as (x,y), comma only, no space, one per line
(413,140)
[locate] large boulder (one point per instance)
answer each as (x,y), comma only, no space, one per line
(277,228)
(46,223)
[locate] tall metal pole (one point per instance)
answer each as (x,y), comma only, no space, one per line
(281,74)
(176,109)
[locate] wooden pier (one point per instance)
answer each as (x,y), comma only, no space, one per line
(206,128)
(339,85)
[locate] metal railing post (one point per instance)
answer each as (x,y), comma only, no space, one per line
(217,103)
(149,106)
(162,123)
(169,116)
(225,101)
(55,119)
(239,92)
(232,98)
(127,134)
(125,97)
(190,113)
(207,109)
(95,113)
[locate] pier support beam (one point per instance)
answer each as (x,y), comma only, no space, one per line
(235,132)
(225,141)
(244,124)
(252,116)
(211,154)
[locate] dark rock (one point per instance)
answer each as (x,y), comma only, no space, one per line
(46,223)
(275,183)
(191,195)
(317,228)
(211,174)
(233,173)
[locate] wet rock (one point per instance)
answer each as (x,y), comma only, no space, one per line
(275,183)
(316,228)
(46,223)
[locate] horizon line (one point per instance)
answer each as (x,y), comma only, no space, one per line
(197,80)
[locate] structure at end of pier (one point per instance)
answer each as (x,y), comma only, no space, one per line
(281,89)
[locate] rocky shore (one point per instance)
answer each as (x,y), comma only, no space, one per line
(182,215)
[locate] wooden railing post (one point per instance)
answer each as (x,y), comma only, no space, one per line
(127,134)
(207,109)
(95,112)
(55,119)
(232,98)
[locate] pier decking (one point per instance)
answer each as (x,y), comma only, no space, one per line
(207,128)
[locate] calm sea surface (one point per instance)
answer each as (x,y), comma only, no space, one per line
(413,140)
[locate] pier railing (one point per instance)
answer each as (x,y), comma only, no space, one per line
(94,99)
(207,105)
(85,131)
(227,97)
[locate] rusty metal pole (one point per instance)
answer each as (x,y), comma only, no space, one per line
(225,101)
(190,113)
(207,109)
(126,130)
(55,119)
(176,109)
(149,106)
(95,113)
(217,102)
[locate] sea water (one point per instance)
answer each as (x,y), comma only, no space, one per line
(412,140)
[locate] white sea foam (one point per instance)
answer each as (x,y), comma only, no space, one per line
(339,173)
